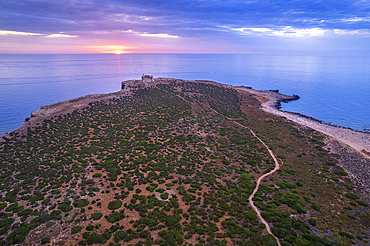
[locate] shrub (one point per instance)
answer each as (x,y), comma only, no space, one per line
(113,205)
(145,234)
(362,203)
(329,163)
(82,243)
(346,234)
(45,202)
(45,240)
(90,228)
(352,196)
(14,208)
(65,206)
(160,190)
(164,196)
(115,216)
(312,222)
(120,235)
(188,198)
(97,238)
(25,212)
(311,194)
(76,229)
(6,222)
(348,186)
(81,203)
(96,216)
(152,187)
(341,173)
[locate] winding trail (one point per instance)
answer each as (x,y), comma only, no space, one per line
(277,166)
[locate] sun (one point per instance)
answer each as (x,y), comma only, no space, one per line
(118,52)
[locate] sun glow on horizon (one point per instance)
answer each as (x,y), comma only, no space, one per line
(109,49)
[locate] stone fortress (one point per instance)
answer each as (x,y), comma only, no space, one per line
(145,79)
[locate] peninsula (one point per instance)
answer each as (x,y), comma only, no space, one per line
(174,162)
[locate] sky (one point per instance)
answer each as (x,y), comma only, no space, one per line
(290,27)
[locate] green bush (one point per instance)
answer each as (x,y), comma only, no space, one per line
(14,208)
(116,216)
(329,163)
(188,198)
(90,228)
(45,240)
(164,196)
(120,235)
(82,243)
(45,202)
(97,238)
(25,212)
(76,229)
(348,186)
(113,205)
(352,196)
(160,190)
(152,187)
(341,173)
(65,206)
(81,203)
(362,203)
(96,216)
(346,234)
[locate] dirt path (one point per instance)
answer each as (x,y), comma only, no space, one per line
(277,166)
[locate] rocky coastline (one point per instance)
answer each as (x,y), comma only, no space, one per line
(356,142)
(270,101)
(351,147)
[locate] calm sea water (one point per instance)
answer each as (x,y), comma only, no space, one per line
(332,89)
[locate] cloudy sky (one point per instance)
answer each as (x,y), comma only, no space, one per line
(298,27)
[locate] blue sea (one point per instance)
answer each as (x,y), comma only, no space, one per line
(333,89)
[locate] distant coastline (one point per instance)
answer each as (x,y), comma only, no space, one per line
(358,140)
(354,160)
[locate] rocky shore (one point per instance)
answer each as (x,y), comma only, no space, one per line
(360,141)
(352,148)
(355,164)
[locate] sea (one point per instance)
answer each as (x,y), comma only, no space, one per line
(334,89)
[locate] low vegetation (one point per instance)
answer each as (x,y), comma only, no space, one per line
(161,167)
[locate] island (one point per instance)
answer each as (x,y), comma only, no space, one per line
(167,161)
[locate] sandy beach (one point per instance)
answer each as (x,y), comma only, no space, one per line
(351,147)
(360,141)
